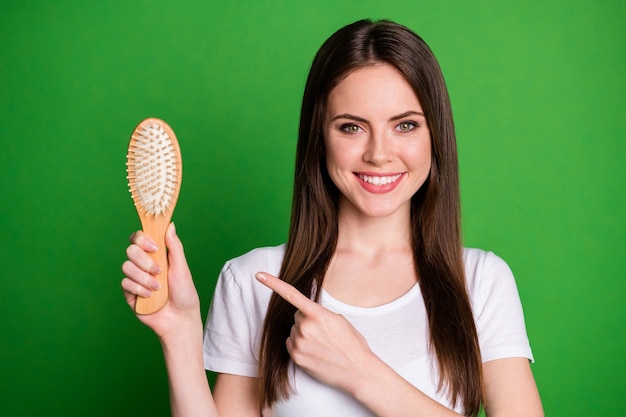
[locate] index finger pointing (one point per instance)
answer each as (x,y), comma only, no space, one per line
(289,293)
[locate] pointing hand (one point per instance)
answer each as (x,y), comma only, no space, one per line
(321,342)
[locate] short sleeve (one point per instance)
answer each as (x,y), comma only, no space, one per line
(235,321)
(497,307)
(232,330)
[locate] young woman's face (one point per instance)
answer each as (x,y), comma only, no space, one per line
(378,149)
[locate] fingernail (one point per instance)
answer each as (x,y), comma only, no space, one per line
(173,228)
(155,285)
(152,246)
(261,277)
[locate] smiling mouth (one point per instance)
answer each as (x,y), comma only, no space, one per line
(379,180)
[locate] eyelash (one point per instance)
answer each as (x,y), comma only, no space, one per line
(409,126)
(346,127)
(412,125)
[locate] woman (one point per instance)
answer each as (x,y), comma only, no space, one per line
(379,309)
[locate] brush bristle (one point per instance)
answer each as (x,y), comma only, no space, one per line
(153,169)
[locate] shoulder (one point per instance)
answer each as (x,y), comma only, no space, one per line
(267,259)
(239,273)
(478,262)
(486,272)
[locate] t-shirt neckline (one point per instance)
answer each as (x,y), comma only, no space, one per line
(327,300)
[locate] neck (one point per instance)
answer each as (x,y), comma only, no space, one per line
(362,233)
(373,263)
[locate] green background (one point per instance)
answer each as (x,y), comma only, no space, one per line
(537,89)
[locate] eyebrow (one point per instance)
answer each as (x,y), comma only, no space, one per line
(362,120)
(407,114)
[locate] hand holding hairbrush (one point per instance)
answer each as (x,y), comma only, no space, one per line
(154,168)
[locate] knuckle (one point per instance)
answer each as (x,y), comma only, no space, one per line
(127,267)
(135,236)
(130,287)
(131,250)
(295,356)
(305,330)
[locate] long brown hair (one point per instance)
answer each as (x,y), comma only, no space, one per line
(435,212)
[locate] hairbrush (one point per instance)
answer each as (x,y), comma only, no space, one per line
(155,170)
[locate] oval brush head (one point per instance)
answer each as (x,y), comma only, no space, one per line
(155,170)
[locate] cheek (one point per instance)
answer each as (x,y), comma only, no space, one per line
(420,156)
(339,156)
(427,158)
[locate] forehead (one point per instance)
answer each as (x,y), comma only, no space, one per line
(377,89)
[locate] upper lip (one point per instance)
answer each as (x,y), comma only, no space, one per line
(379,178)
(379,174)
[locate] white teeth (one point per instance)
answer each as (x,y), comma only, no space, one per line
(379,180)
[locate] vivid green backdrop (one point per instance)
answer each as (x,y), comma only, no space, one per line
(537,89)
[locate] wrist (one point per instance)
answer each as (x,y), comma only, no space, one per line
(185,335)
(366,373)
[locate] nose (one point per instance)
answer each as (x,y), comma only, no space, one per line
(378,149)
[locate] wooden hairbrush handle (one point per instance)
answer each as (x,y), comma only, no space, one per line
(156,228)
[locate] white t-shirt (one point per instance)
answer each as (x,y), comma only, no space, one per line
(397,332)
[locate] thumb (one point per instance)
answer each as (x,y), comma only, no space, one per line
(176,254)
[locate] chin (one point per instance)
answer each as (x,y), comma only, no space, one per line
(382,211)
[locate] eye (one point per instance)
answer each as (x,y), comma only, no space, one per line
(350,128)
(406,126)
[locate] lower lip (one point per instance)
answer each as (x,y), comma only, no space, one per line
(379,189)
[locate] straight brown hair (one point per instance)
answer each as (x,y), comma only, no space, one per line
(435,212)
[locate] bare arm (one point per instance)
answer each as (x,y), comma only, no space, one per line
(386,393)
(236,396)
(180,330)
(510,389)
(190,395)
